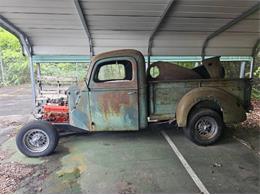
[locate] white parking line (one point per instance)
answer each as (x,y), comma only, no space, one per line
(242,142)
(185,164)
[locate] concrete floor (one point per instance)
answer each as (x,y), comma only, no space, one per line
(138,162)
(15,100)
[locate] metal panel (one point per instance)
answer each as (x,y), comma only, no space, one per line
(85,26)
(228,25)
(44,49)
(157,26)
(54,28)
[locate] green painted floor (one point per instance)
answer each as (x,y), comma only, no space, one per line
(140,162)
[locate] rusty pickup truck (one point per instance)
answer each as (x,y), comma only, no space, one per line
(120,94)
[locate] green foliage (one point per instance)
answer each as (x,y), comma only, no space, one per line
(14,63)
(78,70)
(257,73)
(256,84)
(189,65)
(112,72)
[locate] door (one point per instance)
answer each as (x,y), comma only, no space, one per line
(113,95)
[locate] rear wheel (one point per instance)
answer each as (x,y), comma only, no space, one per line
(204,127)
(37,138)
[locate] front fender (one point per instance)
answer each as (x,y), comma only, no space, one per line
(73,94)
(78,107)
(231,107)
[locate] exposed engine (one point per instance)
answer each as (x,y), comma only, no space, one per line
(51,98)
(55,111)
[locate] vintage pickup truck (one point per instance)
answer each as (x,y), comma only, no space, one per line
(120,95)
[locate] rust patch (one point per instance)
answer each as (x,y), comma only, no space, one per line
(112,103)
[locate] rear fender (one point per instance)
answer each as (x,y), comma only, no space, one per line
(230,106)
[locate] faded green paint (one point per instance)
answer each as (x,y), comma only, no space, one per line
(107,106)
(18,157)
(79,107)
(138,70)
(176,98)
(114,105)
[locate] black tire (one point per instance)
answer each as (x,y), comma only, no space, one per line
(205,127)
(49,139)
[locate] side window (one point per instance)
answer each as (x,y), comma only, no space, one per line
(154,72)
(113,71)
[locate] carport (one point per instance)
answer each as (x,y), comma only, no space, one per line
(75,30)
(171,30)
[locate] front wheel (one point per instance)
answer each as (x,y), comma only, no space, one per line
(204,127)
(37,138)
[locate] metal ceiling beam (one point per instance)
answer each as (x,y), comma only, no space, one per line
(155,29)
(24,40)
(227,26)
(85,26)
(255,48)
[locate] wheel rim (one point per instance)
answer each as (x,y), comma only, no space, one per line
(206,128)
(36,140)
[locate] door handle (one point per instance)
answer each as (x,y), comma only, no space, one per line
(132,92)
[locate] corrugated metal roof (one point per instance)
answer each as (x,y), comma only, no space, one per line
(54,27)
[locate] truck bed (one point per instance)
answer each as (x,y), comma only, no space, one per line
(165,95)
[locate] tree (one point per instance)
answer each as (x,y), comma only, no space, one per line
(14,63)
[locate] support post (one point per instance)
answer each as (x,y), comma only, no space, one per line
(85,26)
(151,37)
(242,70)
(227,26)
(32,81)
(251,68)
(255,50)
(2,68)
(38,65)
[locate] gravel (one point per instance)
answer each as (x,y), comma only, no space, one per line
(11,175)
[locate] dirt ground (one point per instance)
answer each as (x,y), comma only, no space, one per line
(248,132)
(81,166)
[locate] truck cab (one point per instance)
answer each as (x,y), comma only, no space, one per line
(114,95)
